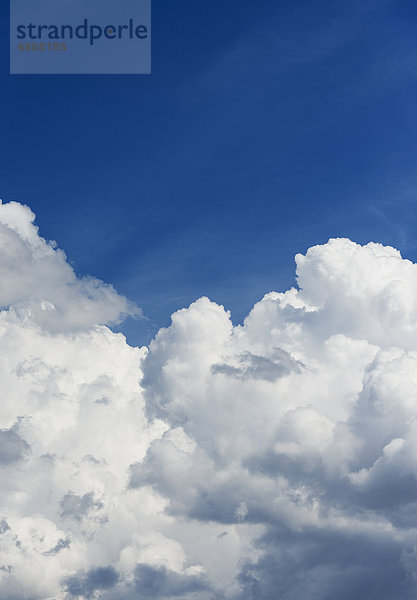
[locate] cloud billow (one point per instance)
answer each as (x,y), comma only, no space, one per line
(275,459)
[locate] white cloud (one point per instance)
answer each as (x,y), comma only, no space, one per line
(37,281)
(276,458)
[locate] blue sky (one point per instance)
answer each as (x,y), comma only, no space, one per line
(264,128)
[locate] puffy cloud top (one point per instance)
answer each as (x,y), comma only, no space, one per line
(38,282)
(273,459)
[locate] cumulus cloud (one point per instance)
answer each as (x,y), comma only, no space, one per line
(37,281)
(277,458)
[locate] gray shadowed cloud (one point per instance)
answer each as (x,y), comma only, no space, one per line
(13,448)
(77,507)
(251,366)
(319,565)
(4,526)
(86,583)
(61,545)
(159,582)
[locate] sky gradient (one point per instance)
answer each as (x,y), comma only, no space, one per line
(261,131)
